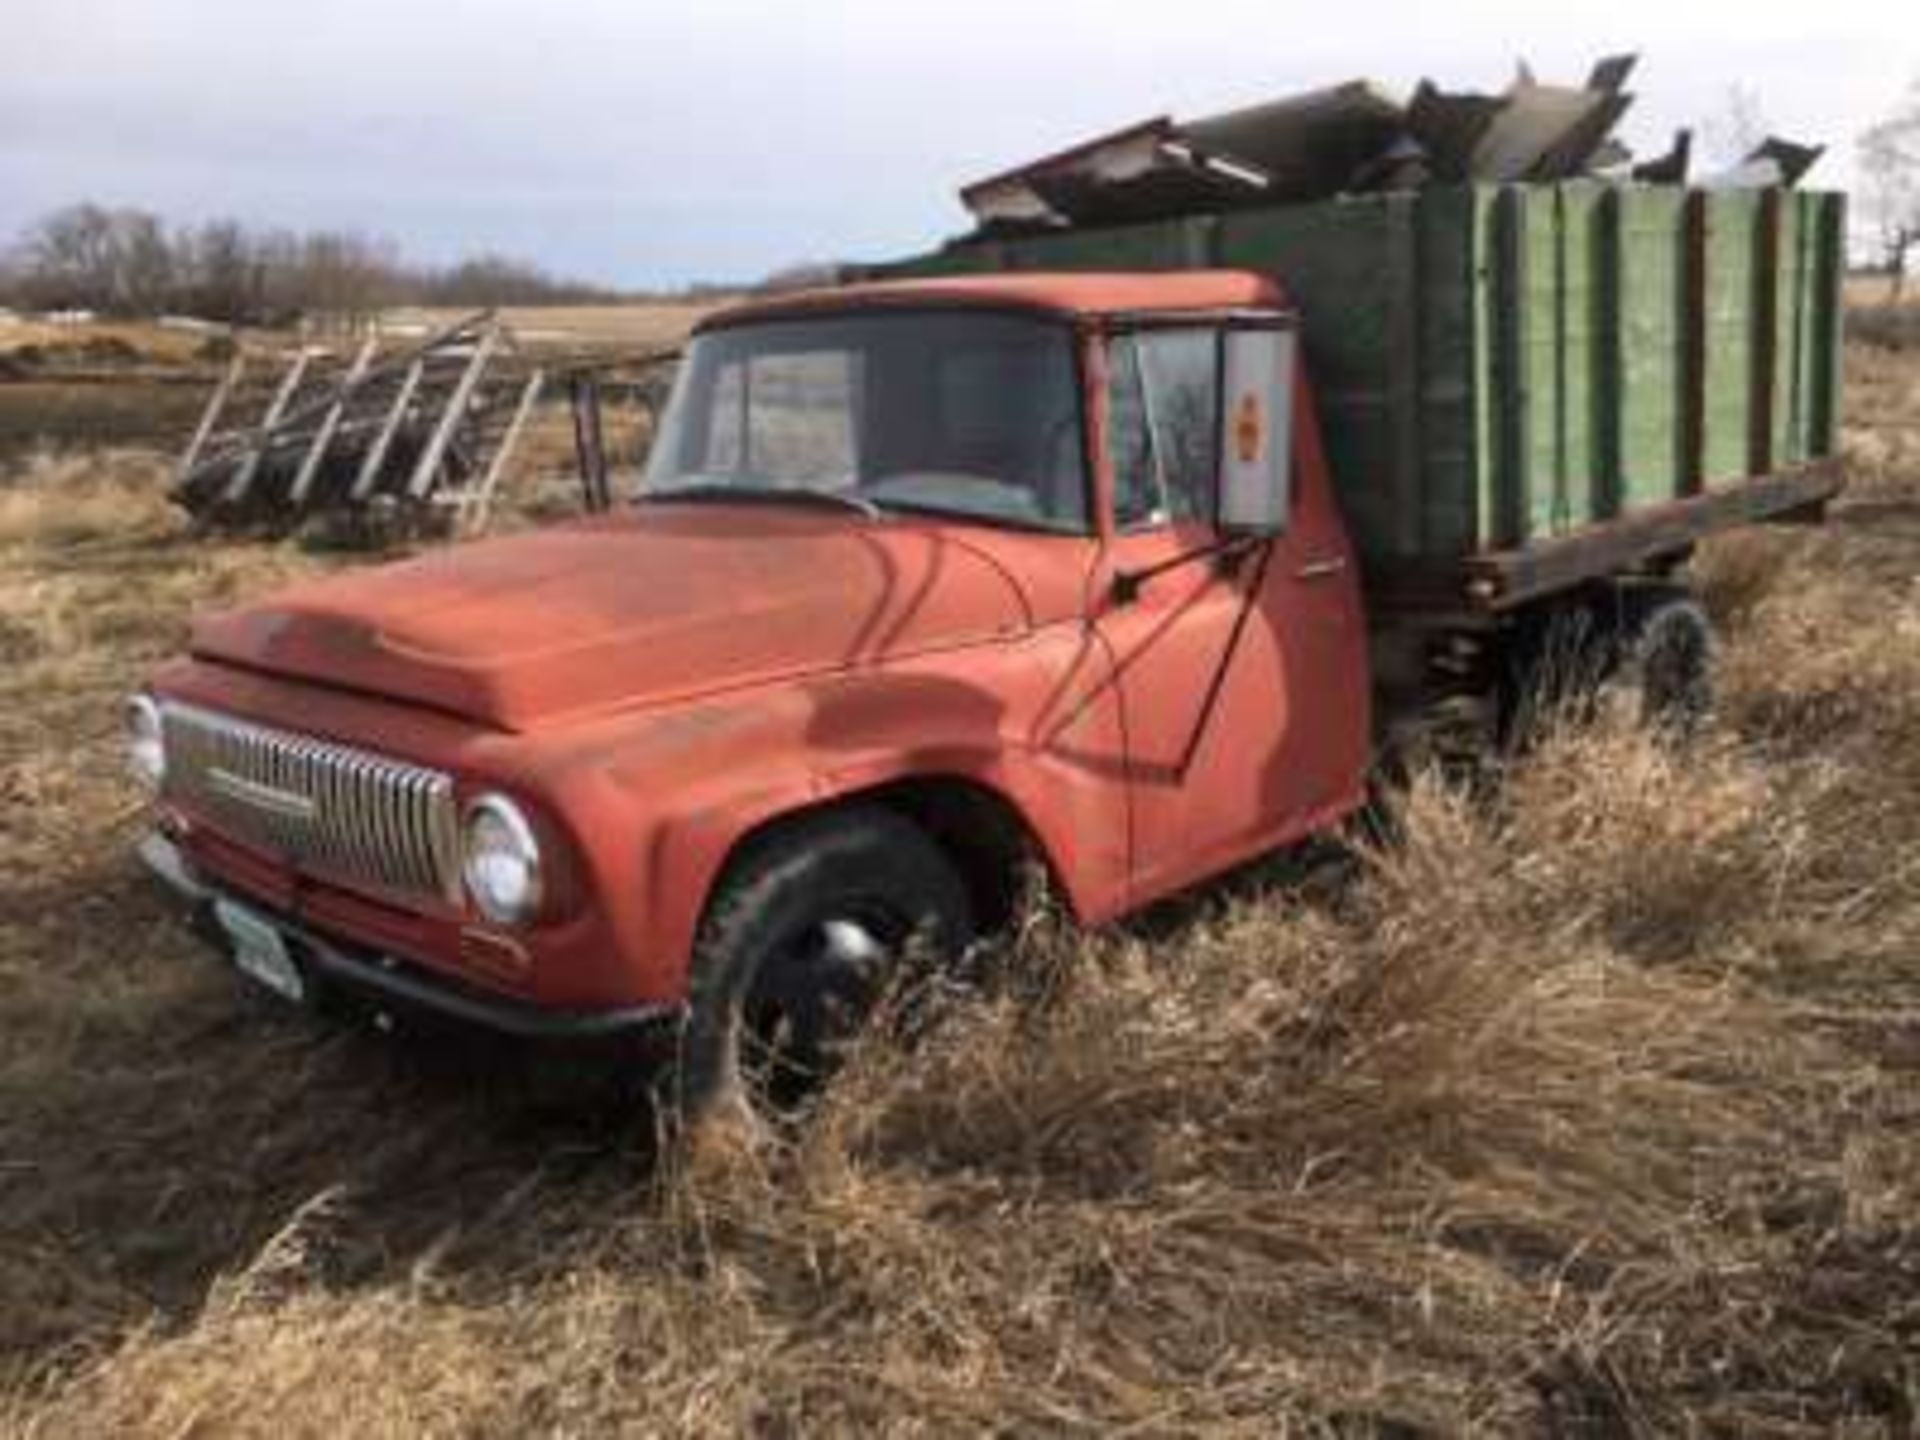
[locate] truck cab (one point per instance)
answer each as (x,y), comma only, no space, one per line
(927,582)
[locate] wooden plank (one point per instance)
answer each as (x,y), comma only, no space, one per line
(1504,579)
(1541,489)
(242,481)
(1609,357)
(453,414)
(477,504)
(1765,333)
(589,443)
(1786,419)
(209,418)
(1730,337)
(1511,352)
(1824,409)
(1402,280)
(1693,345)
(1651,312)
(323,437)
(1451,435)
(376,457)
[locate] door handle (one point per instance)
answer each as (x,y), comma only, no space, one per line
(1322,568)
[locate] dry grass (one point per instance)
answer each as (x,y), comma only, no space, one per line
(642,324)
(1591,1109)
(138,338)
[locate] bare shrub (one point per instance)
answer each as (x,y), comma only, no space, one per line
(55,499)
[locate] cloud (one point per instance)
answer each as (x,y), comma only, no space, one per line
(644,144)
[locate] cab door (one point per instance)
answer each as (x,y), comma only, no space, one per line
(1236,657)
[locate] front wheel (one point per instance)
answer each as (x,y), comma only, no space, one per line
(808,927)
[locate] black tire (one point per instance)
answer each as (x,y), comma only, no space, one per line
(1645,654)
(1663,671)
(806,930)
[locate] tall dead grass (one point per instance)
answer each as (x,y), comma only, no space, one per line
(1589,1109)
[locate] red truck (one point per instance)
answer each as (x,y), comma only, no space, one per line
(927,579)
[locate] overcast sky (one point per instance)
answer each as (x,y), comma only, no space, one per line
(640,144)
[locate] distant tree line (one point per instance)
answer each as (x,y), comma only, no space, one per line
(128,262)
(1890,186)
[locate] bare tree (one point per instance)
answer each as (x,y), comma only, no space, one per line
(217,272)
(125,262)
(143,264)
(69,259)
(498,280)
(345,278)
(1890,186)
(89,257)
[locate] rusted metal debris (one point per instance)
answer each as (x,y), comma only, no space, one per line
(415,441)
(1345,139)
(1773,162)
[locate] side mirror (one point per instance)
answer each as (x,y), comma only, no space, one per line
(1256,429)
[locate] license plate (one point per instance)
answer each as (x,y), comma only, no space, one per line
(260,950)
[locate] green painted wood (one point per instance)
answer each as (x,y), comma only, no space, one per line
(1513,324)
(1453,236)
(1548,324)
(1789,282)
(1543,398)
(1331,259)
(1827,271)
(1805,356)
(1583,395)
(1607,356)
(1161,246)
(1733,225)
(1650,345)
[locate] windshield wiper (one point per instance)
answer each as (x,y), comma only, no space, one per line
(720,490)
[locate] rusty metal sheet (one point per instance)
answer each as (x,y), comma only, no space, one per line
(1309,144)
(1144,170)
(1670,168)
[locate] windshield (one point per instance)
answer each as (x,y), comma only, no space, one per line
(943,412)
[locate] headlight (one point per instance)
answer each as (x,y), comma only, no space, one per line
(502,864)
(146,742)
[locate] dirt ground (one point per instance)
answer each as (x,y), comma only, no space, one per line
(1589,1108)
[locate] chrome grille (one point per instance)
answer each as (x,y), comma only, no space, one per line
(324,807)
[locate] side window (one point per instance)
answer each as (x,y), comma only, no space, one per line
(1136,488)
(1163,425)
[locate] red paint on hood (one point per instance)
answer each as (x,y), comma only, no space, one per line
(656,603)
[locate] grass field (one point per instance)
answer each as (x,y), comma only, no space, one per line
(138,383)
(1590,1108)
(643,326)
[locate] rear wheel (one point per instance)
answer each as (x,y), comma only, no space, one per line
(808,928)
(1663,669)
(1645,653)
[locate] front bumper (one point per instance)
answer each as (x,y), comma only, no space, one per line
(392,984)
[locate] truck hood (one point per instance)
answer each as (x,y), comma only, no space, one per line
(652,604)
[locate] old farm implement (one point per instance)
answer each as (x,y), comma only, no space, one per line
(414,441)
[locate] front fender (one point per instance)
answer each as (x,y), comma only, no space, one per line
(657,805)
